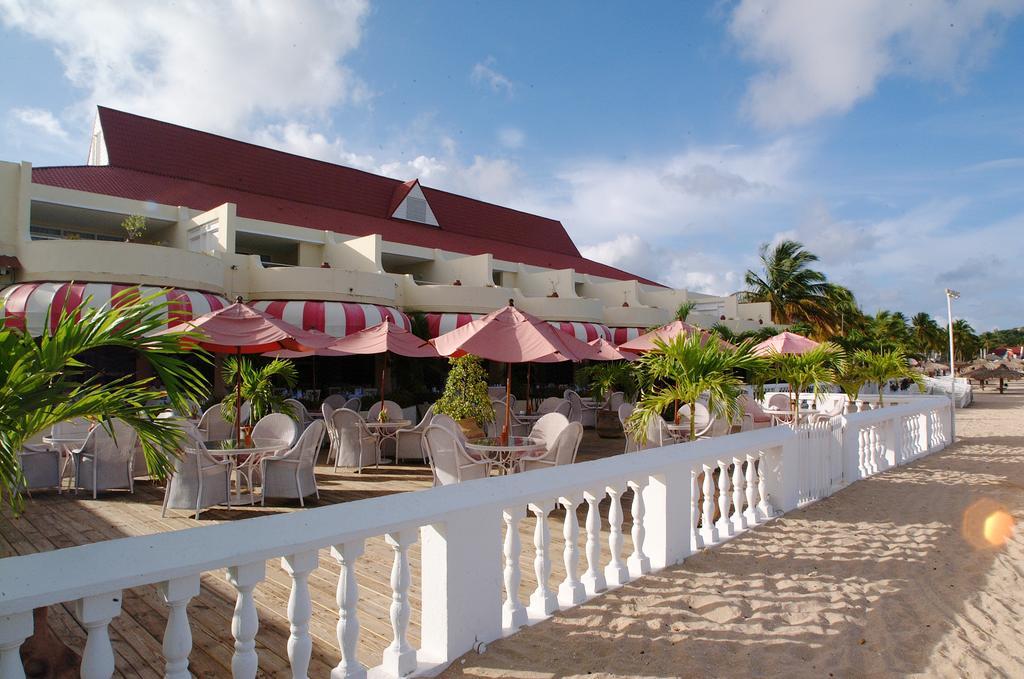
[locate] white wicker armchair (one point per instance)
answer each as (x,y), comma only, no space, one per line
(561,450)
(105,460)
(293,474)
(198,480)
(40,464)
(356,445)
(449,461)
(409,440)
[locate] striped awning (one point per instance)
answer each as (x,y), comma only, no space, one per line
(622,335)
(438,324)
(584,332)
(337,319)
(34,307)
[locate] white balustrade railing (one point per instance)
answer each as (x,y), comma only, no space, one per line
(681,498)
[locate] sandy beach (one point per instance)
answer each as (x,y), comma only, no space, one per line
(894,576)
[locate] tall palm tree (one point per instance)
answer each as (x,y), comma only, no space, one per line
(43,382)
(965,339)
(793,289)
(926,333)
(684,369)
(888,330)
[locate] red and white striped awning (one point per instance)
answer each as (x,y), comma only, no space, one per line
(584,332)
(622,335)
(34,307)
(438,324)
(337,319)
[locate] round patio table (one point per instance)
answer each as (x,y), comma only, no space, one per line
(384,431)
(680,432)
(251,454)
(506,454)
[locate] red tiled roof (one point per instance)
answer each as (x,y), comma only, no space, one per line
(173,165)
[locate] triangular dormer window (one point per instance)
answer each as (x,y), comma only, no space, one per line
(410,204)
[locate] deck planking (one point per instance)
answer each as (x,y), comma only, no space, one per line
(54,521)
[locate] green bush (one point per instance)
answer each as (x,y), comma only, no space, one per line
(465,392)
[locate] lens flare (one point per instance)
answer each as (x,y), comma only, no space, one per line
(987,524)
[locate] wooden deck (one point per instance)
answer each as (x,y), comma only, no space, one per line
(53,521)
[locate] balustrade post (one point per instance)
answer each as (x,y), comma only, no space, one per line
(399,657)
(571,591)
(750,516)
(724,524)
(695,510)
(513,613)
(246,622)
(593,578)
(461,579)
(95,614)
(765,509)
(638,562)
(178,632)
(615,573)
(708,533)
(668,517)
(543,601)
(300,610)
(14,629)
(739,521)
(347,597)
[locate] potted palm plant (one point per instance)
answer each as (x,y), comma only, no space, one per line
(851,378)
(602,379)
(465,398)
(814,368)
(258,387)
(684,369)
(881,366)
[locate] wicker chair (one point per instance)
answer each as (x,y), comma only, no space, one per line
(293,474)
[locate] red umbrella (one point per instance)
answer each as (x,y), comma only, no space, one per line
(239,329)
(512,336)
(785,343)
(606,351)
(667,333)
(384,338)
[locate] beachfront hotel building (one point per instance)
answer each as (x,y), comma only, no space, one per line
(321,245)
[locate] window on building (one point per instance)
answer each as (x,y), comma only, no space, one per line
(59,233)
(416,209)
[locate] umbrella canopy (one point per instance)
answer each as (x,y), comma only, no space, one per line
(384,337)
(998,373)
(240,329)
(512,336)
(509,335)
(785,343)
(667,333)
(606,351)
(931,367)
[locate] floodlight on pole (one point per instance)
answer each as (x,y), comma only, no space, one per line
(950,296)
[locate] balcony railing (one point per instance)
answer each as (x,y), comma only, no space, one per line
(683,498)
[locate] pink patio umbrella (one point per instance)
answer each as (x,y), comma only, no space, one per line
(512,336)
(606,351)
(667,333)
(239,329)
(785,343)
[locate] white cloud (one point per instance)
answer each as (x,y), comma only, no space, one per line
(821,58)
(484,72)
(216,66)
(694,270)
(511,137)
(40,120)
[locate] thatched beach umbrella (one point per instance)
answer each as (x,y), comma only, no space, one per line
(1001,373)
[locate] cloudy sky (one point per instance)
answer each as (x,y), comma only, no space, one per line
(670,138)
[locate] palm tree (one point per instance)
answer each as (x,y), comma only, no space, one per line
(788,284)
(889,330)
(684,369)
(258,386)
(684,309)
(881,366)
(816,368)
(45,382)
(965,339)
(926,334)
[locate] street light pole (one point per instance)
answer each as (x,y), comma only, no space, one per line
(950,296)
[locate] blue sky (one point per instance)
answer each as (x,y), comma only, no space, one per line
(670,138)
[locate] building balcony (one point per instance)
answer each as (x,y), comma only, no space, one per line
(454,298)
(635,316)
(564,308)
(113,262)
(257,281)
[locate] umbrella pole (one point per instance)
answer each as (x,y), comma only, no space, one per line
(383,375)
(529,409)
(238,394)
(508,406)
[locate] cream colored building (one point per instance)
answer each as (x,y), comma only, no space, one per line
(323,245)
